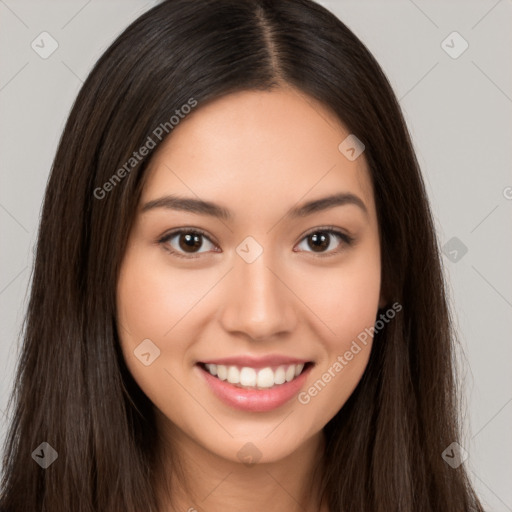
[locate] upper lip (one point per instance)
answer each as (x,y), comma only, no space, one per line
(256,362)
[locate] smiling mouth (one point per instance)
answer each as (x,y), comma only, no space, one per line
(246,377)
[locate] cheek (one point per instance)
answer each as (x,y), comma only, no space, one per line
(159,303)
(151,302)
(149,308)
(344,297)
(346,356)
(346,300)
(152,299)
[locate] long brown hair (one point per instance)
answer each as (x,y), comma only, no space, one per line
(73,390)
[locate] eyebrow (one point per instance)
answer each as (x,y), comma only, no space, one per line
(202,207)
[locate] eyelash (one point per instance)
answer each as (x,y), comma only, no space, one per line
(347,240)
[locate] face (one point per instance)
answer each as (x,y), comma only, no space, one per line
(235,266)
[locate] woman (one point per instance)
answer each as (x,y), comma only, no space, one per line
(237,300)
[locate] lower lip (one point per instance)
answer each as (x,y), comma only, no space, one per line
(254,400)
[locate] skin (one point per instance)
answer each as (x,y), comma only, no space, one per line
(257,154)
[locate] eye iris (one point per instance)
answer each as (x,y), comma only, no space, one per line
(190,241)
(320,238)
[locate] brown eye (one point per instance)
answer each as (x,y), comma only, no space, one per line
(325,241)
(186,241)
(190,242)
(319,241)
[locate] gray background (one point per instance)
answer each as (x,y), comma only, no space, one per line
(459,114)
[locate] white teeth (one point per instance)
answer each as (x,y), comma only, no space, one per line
(248,376)
(222,372)
(251,377)
(265,378)
(212,368)
(233,375)
(290,373)
(280,375)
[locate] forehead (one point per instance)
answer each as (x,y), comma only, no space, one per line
(255,146)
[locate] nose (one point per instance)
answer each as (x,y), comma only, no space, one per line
(259,302)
